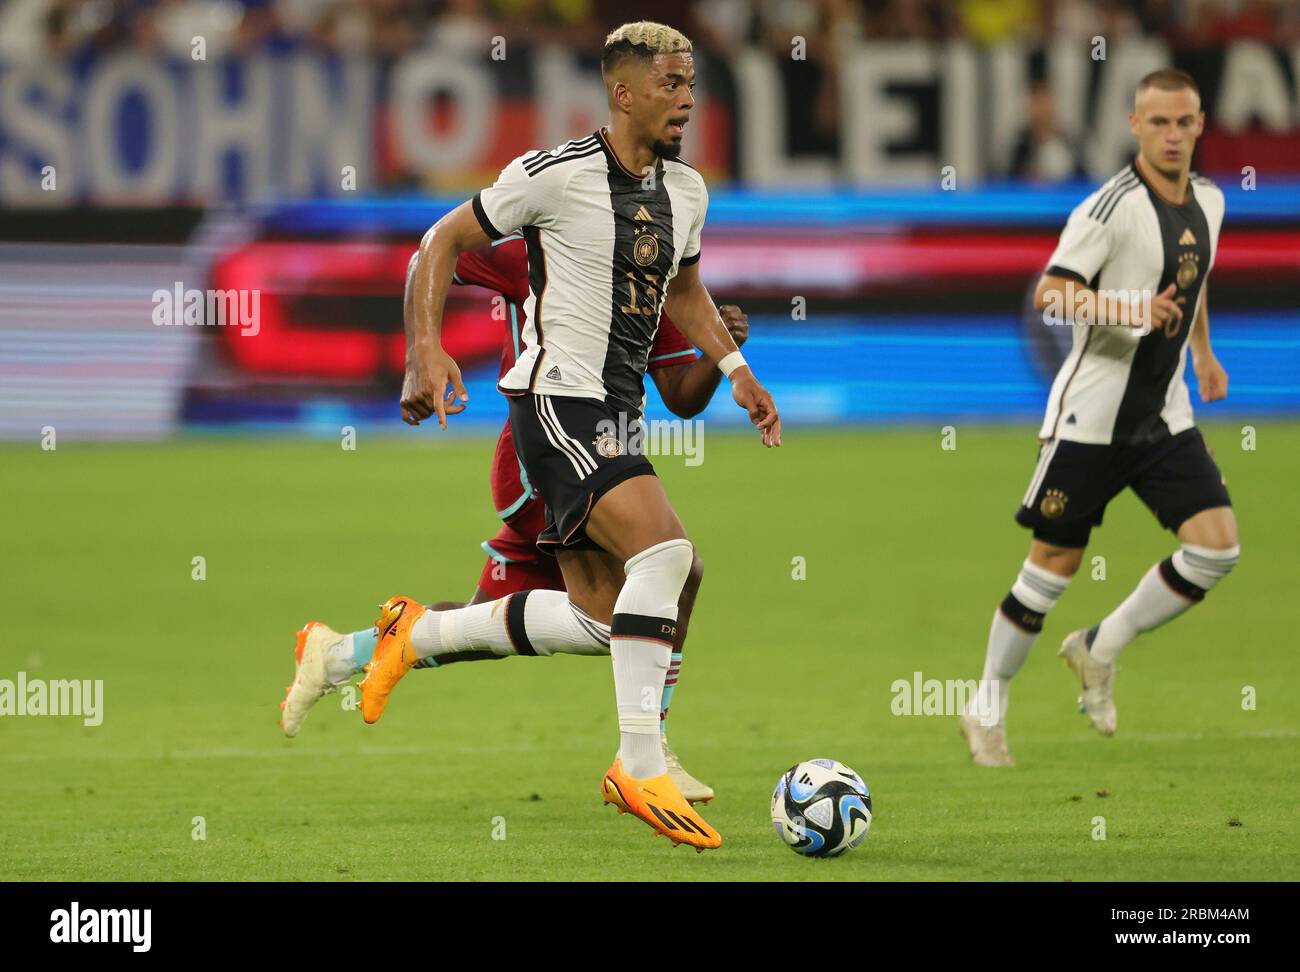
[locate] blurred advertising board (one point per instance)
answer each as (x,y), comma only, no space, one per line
(133,127)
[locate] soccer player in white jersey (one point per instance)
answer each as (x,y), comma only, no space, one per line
(612,224)
(1130,274)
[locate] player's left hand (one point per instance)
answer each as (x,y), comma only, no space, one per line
(757,401)
(737,322)
(1211,379)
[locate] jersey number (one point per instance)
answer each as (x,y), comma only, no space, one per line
(1172,327)
(634,304)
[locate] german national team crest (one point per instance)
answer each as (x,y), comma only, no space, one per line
(1053,504)
(1187,271)
(645,250)
(608,446)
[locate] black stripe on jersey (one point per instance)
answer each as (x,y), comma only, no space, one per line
(481,214)
(537,285)
(1055,270)
(1060,406)
(532,379)
(1106,193)
(566,158)
(1110,208)
(613,158)
(642,261)
(536,274)
(1158,354)
(1127,179)
(568,146)
(543,160)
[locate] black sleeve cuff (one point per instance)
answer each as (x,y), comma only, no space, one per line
(1056,271)
(492,232)
(687,261)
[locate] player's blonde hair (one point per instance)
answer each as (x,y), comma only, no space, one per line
(642,39)
(1166,79)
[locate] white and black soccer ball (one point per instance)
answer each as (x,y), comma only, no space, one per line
(821,808)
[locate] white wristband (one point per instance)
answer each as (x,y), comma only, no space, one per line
(730,362)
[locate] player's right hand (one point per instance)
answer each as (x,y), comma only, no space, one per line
(1164,311)
(757,401)
(431,378)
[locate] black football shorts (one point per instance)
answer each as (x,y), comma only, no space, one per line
(574,450)
(1176,478)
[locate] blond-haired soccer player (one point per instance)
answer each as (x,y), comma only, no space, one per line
(1130,274)
(612,225)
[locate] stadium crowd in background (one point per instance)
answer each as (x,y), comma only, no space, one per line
(62,28)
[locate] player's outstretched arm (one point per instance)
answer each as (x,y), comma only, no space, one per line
(1211,379)
(430,371)
(687,389)
(689,305)
(1065,300)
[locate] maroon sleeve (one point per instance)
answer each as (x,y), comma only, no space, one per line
(502,267)
(670,347)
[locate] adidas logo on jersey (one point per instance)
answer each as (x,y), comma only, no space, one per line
(554,373)
(1187,239)
(642,216)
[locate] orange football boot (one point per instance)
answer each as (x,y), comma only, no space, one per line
(393,655)
(659,803)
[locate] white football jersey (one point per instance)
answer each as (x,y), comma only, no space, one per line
(603,244)
(1116,385)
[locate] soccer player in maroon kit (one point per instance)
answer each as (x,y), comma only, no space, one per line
(326,659)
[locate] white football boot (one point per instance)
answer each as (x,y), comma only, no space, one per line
(311,679)
(1095,678)
(691,789)
(988,744)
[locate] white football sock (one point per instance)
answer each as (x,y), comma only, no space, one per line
(540,622)
(636,666)
(1008,648)
(645,625)
(340,663)
(1165,591)
(1016,625)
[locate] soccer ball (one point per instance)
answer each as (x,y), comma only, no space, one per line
(821,808)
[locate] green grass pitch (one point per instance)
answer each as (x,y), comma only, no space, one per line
(908,548)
